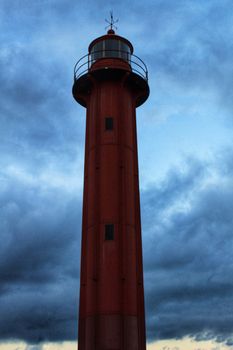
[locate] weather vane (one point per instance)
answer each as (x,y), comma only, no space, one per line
(111,22)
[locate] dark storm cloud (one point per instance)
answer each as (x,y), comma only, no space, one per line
(188,255)
(38,263)
(40,134)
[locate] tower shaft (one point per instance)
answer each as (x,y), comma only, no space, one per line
(111,312)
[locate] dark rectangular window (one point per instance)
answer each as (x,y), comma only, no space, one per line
(109,232)
(108,123)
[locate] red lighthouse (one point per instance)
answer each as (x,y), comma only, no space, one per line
(111,82)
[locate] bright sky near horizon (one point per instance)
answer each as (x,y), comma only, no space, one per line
(185,142)
(183,344)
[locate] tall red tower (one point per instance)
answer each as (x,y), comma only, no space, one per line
(111,82)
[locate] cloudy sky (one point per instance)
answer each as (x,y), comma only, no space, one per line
(185,136)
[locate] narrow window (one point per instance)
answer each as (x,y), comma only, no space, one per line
(108,123)
(109,232)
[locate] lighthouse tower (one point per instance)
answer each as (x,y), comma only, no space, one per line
(110,82)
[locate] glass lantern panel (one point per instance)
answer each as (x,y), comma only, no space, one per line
(110,48)
(97,51)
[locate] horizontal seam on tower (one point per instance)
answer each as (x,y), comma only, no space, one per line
(109,313)
(110,143)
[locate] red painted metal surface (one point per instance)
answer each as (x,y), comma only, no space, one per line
(111,312)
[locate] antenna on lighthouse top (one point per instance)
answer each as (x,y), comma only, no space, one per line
(111,23)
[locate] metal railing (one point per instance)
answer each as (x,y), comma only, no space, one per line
(85,63)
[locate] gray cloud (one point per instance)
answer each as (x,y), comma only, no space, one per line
(38,265)
(34,347)
(187,253)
